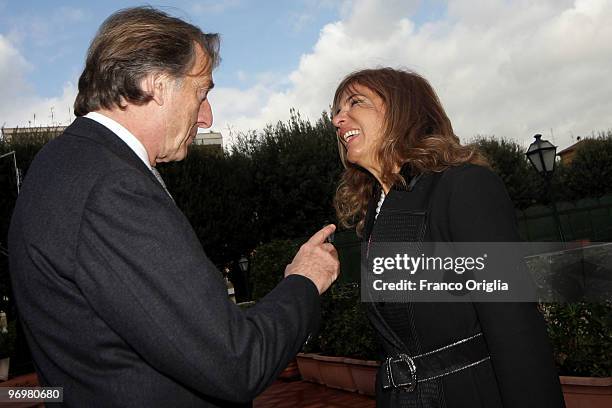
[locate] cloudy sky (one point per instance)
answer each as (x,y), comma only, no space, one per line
(501,67)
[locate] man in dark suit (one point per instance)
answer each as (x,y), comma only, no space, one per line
(118,301)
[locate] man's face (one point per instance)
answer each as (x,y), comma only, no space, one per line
(186,108)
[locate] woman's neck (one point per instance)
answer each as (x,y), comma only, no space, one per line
(385,186)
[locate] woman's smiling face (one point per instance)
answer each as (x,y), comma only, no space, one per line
(359,118)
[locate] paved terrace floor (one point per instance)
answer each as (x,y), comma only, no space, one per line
(303,394)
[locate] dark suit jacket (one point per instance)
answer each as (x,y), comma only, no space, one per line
(118,301)
(464,204)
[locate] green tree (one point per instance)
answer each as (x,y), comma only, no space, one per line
(214,191)
(268,265)
(25,149)
(508,161)
(14,343)
(295,169)
(590,172)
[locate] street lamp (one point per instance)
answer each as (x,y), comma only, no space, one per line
(243,263)
(541,154)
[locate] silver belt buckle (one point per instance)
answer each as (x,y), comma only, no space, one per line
(402,358)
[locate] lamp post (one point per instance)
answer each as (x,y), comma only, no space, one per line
(243,263)
(541,154)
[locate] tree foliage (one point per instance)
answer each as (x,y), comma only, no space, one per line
(215,191)
(345,329)
(268,265)
(24,152)
(580,335)
(508,161)
(294,171)
(590,172)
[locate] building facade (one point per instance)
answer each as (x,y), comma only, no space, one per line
(31,133)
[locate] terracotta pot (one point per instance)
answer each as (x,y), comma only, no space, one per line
(309,368)
(336,373)
(587,392)
(364,374)
(291,372)
(26,380)
(4,368)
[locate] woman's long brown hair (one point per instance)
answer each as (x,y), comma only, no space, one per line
(417,132)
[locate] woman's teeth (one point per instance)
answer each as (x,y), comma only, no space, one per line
(349,135)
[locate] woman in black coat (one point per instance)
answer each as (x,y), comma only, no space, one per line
(408,179)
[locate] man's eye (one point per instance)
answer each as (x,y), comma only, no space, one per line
(203,95)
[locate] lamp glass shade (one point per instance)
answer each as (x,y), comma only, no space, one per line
(549,158)
(541,154)
(243,263)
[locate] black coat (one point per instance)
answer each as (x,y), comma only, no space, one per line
(464,204)
(118,301)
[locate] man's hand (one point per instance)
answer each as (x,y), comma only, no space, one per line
(317,260)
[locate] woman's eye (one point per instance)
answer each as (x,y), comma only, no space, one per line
(355,101)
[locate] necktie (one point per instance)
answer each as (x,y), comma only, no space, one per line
(161,181)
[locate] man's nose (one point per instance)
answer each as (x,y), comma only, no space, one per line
(205,116)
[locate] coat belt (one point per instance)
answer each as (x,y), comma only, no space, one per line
(403,372)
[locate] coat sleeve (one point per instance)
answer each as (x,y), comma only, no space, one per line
(481,211)
(142,269)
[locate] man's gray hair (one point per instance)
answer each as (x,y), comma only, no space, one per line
(133,43)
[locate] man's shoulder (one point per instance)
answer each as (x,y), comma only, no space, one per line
(87,136)
(84,147)
(67,168)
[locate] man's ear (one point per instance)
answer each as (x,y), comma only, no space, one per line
(156,85)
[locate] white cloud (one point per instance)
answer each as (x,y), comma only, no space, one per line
(12,67)
(509,68)
(19,103)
